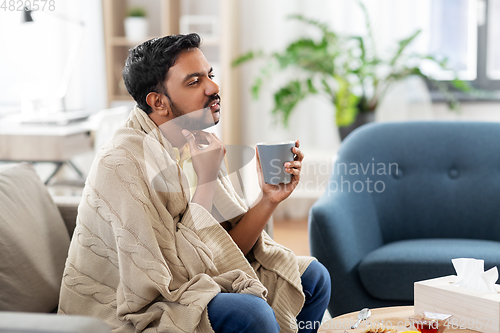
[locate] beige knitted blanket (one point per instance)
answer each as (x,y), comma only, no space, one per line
(144,259)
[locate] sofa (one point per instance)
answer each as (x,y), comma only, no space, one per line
(403,200)
(35,231)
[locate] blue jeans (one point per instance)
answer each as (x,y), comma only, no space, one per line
(240,313)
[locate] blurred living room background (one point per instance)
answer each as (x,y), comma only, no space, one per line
(62,95)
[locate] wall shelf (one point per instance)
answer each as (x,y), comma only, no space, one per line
(163,19)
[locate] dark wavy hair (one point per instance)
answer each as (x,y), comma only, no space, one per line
(147,65)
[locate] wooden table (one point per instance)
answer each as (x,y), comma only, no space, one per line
(391,316)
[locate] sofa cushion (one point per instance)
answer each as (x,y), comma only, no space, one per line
(34,242)
(389,272)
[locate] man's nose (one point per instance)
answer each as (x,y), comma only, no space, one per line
(211,88)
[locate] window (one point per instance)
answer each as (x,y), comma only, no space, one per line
(466,32)
(36,55)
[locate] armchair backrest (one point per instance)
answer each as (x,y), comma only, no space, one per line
(427,179)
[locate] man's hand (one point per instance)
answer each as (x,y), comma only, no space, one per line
(248,230)
(206,163)
(207,159)
(277,193)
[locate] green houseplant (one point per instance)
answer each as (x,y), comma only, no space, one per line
(136,12)
(345,69)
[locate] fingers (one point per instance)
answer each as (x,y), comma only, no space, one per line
(293,164)
(257,155)
(193,140)
(299,155)
(204,135)
(293,168)
(259,169)
(200,138)
(217,138)
(208,137)
(206,159)
(189,137)
(205,138)
(294,172)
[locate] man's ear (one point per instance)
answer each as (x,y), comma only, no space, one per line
(158,102)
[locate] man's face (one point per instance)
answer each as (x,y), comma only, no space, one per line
(193,96)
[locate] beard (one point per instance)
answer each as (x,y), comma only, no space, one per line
(194,120)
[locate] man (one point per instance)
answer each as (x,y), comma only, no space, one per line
(148,254)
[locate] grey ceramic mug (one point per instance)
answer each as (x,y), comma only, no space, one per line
(273,157)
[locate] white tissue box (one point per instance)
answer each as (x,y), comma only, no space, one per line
(471,309)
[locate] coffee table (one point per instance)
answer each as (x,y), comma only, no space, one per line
(391,316)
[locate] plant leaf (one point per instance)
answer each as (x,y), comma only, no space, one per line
(246,57)
(256,87)
(308,55)
(402,45)
(368,25)
(288,96)
(461,85)
(320,25)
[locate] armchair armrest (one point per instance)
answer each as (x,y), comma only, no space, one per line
(343,229)
(68,207)
(50,323)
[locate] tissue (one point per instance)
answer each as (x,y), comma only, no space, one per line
(471,275)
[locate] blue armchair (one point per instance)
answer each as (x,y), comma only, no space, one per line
(402,201)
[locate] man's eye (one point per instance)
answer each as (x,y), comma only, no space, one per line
(194,82)
(211,76)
